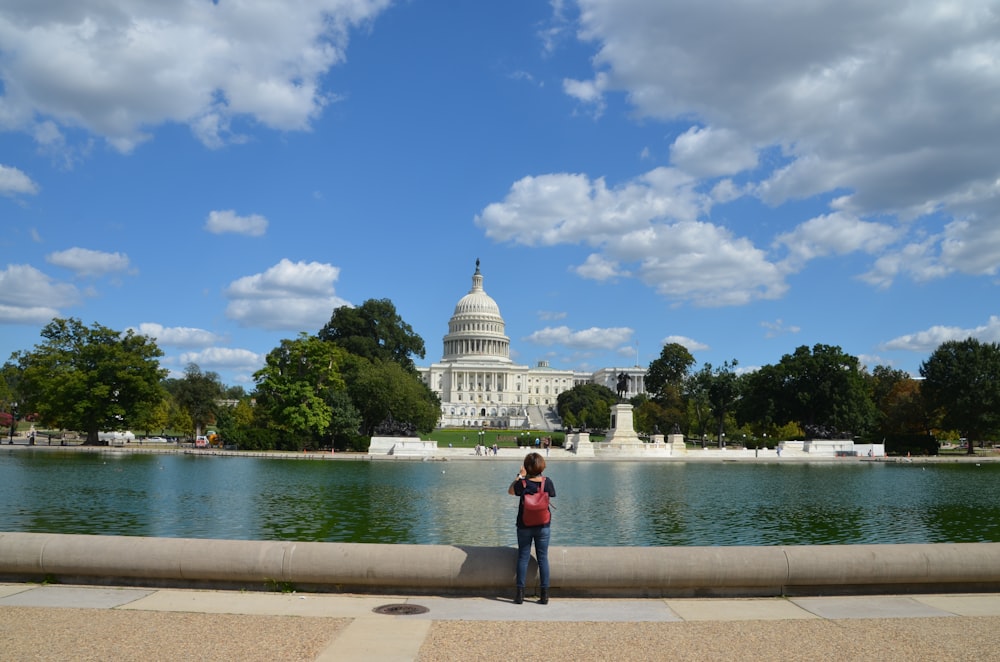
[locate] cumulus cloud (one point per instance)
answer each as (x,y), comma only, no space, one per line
(115,67)
(15,182)
(650,222)
(690,344)
(707,152)
(29,296)
(228,221)
(86,262)
(879,108)
(177,336)
(928,340)
(835,234)
(592,338)
(297,296)
(598,267)
(224,358)
(571,208)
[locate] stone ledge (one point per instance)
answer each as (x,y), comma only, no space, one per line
(455,569)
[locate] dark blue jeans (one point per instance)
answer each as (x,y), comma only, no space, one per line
(540,535)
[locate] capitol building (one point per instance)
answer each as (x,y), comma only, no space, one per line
(480,386)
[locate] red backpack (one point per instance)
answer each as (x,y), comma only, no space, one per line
(536,505)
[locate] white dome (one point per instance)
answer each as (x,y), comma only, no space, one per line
(476,329)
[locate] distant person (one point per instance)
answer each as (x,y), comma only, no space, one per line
(529,483)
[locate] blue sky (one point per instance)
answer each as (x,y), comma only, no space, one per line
(740,177)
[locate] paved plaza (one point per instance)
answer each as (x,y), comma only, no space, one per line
(62,622)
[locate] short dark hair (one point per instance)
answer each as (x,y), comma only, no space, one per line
(534,464)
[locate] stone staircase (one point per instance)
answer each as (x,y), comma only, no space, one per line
(544,418)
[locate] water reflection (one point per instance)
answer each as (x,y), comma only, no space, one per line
(599,503)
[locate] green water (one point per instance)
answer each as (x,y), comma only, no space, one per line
(599,503)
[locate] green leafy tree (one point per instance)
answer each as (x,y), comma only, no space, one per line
(383,390)
(649,416)
(235,424)
(699,403)
(962,382)
(822,389)
(375,331)
(198,394)
(586,405)
(299,392)
(723,392)
(90,379)
(666,374)
(153,417)
(899,403)
(10,377)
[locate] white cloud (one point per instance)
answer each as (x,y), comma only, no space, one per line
(116,68)
(688,343)
(835,234)
(551,315)
(778,328)
(650,221)
(972,246)
(13,182)
(882,107)
(224,358)
(928,340)
(918,260)
(221,222)
(86,262)
(592,338)
(177,336)
(597,267)
(571,208)
(702,263)
(297,296)
(28,296)
(588,92)
(707,152)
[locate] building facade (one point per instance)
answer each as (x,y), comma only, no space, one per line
(480,386)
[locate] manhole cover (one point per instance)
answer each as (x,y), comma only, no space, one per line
(401,610)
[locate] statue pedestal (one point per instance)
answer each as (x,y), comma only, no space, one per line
(623,430)
(676,444)
(581,444)
(402,446)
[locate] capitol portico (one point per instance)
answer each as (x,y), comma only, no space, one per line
(478,383)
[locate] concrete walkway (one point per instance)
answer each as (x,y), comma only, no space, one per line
(62,622)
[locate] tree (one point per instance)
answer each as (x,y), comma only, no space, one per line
(374,331)
(90,379)
(899,403)
(383,390)
(666,374)
(586,405)
(723,393)
(962,381)
(299,391)
(699,404)
(198,394)
(822,389)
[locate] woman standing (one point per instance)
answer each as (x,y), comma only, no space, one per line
(530,481)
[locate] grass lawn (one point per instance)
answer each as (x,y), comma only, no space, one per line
(467,438)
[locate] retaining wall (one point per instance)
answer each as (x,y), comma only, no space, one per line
(442,569)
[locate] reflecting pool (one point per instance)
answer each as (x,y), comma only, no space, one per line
(465,502)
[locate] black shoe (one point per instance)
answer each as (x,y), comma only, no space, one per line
(543,599)
(519,596)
